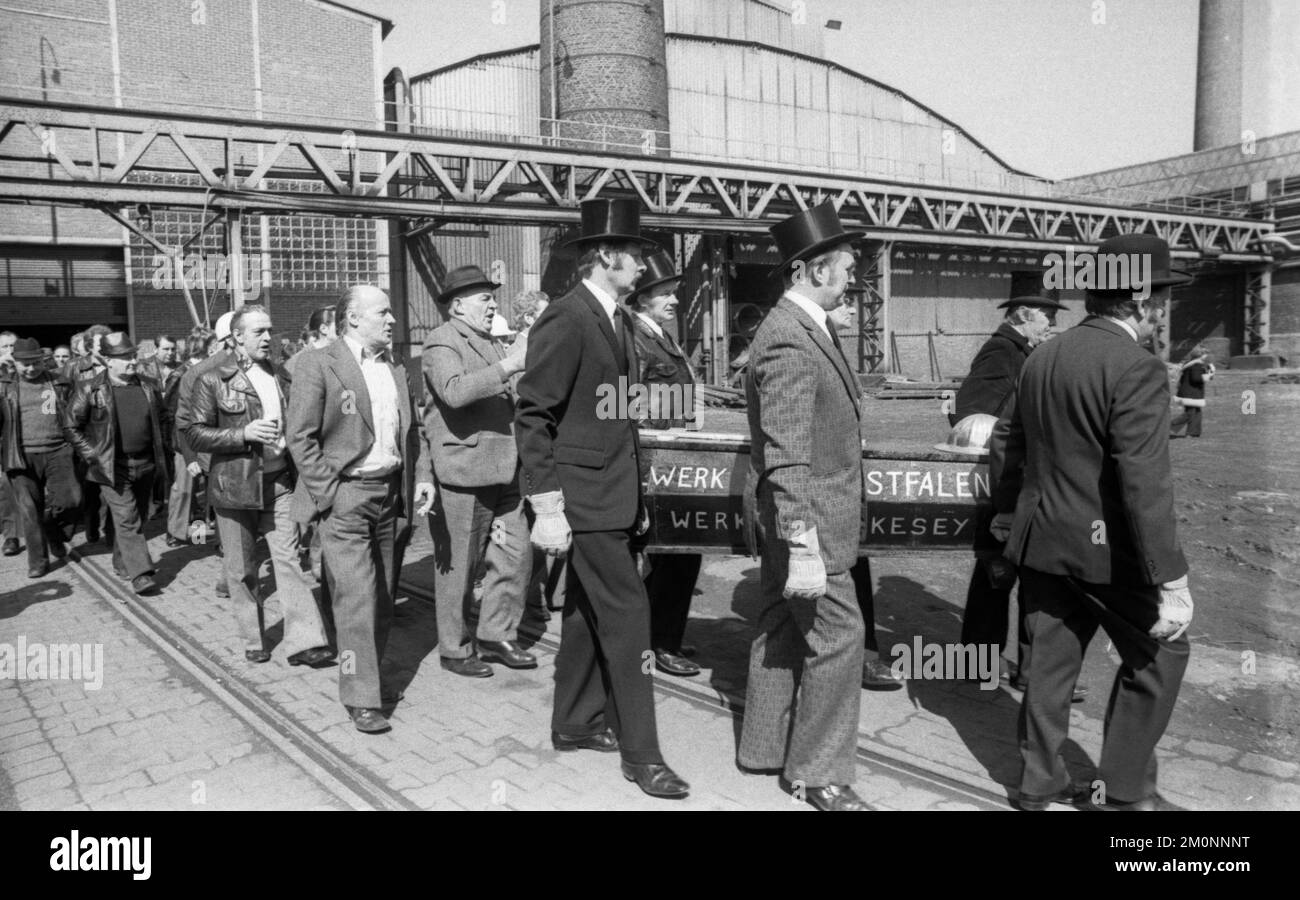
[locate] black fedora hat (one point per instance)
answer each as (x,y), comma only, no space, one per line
(27,350)
(1034,300)
(1143,246)
(808,232)
(118,343)
(659,269)
(614,220)
(459,279)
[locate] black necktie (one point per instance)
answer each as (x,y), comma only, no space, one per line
(620,336)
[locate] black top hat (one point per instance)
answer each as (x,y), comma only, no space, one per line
(465,277)
(615,221)
(659,269)
(118,343)
(1140,245)
(1040,302)
(806,233)
(27,350)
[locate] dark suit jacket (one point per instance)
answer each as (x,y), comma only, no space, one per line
(469,418)
(573,360)
(804,420)
(663,362)
(993,374)
(331,428)
(1082,457)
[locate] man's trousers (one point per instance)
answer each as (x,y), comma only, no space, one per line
(988,611)
(47,496)
(128,502)
(805,679)
(1063,616)
(670,585)
(180,501)
(470,525)
(304,627)
(357,552)
(603,670)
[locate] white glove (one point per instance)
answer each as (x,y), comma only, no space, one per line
(551,533)
(806,578)
(642,521)
(1175,610)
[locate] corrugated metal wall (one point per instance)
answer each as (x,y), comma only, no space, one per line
(744,20)
(492,96)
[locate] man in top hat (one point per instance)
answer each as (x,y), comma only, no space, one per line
(479,514)
(582,477)
(119,425)
(37,461)
(1080,472)
(804,498)
(362,477)
(662,362)
(988,387)
(237,415)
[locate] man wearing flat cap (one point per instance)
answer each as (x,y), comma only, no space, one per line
(986,390)
(804,499)
(119,426)
(478,516)
(1079,466)
(581,473)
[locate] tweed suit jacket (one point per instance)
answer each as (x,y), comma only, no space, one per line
(1082,457)
(469,417)
(331,427)
(564,443)
(804,422)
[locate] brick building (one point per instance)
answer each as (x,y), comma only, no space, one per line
(309,61)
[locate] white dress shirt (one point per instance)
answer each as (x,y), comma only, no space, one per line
(268,391)
(384,456)
(607,303)
(654,326)
(818,314)
(1126,326)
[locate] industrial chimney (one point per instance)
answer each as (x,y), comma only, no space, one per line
(1218,74)
(604,84)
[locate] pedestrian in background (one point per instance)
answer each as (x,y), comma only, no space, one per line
(1193,376)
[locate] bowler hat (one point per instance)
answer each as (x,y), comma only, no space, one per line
(1147,246)
(27,350)
(807,233)
(464,277)
(118,343)
(612,220)
(1040,302)
(659,269)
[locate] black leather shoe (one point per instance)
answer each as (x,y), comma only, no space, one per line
(1079,694)
(144,584)
(173,542)
(605,742)
(39,571)
(58,550)
(507,653)
(877,675)
(368,721)
(470,667)
(1071,795)
(656,779)
(316,657)
(1146,804)
(11,547)
(835,798)
(257,656)
(675,664)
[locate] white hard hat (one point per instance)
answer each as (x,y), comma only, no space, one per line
(970,436)
(223,326)
(500,327)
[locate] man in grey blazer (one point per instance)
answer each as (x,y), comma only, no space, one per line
(354,436)
(479,514)
(805,496)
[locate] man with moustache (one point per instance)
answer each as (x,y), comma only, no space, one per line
(237,414)
(354,434)
(804,503)
(582,477)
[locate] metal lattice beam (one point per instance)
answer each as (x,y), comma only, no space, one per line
(195,161)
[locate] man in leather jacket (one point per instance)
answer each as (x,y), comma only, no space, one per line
(118,424)
(237,413)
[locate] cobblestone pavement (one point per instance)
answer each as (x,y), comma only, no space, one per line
(158,734)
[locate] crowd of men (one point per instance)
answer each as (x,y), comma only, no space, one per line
(528,486)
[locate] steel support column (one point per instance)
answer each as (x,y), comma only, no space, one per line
(1259,286)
